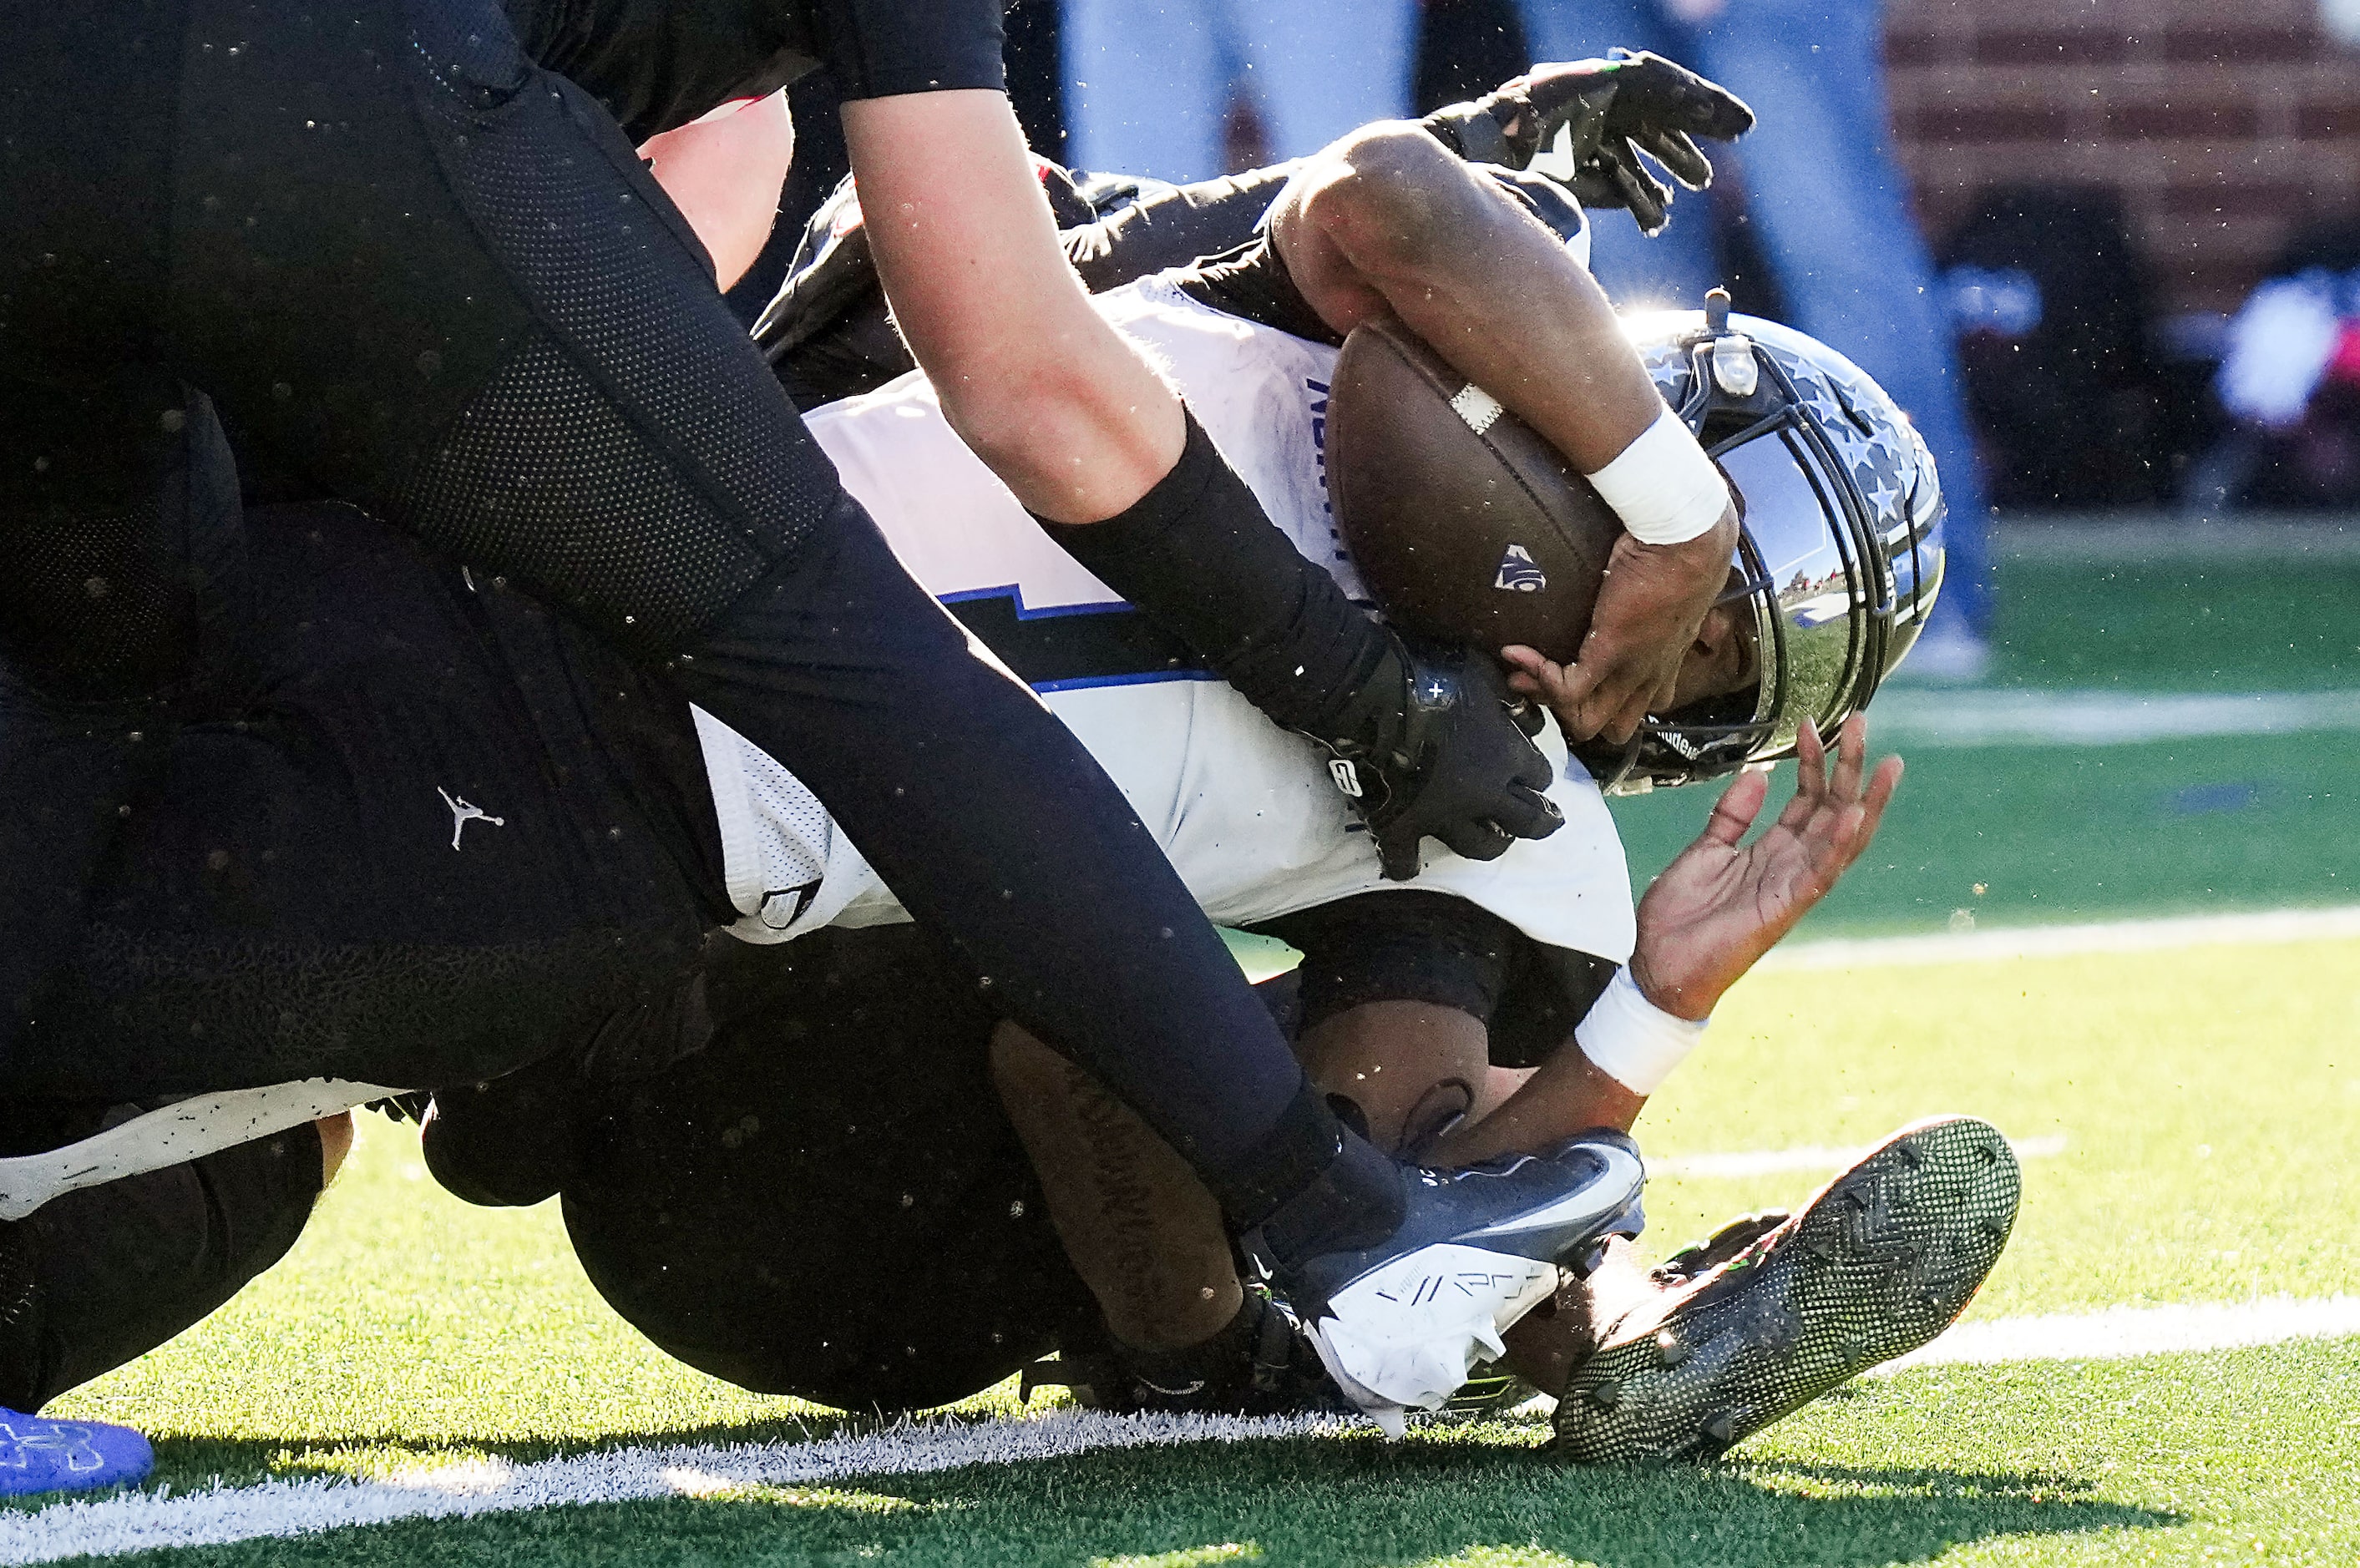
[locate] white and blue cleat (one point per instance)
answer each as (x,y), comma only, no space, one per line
(1400,1324)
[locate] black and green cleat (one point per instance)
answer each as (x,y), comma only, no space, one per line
(1880,1261)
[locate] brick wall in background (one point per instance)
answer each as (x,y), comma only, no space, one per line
(2223,122)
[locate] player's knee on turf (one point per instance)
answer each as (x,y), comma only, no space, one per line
(509,1143)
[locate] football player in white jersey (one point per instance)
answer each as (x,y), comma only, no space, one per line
(726,1218)
(1251,815)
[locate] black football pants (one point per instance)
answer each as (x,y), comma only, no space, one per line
(434,281)
(828,1200)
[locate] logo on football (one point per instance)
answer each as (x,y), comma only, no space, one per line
(1519,573)
(1465,525)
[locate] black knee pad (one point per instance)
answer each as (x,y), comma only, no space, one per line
(635,449)
(516,347)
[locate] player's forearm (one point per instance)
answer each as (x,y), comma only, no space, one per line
(1565,1094)
(1495,293)
(1059,405)
(1394,222)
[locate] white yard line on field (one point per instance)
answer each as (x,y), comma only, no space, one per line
(142,1521)
(1919,720)
(2295,540)
(1810,1156)
(2118,1332)
(2269,926)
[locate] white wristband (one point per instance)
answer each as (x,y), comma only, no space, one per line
(1630,1040)
(1663,486)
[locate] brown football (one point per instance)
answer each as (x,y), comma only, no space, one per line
(1465,524)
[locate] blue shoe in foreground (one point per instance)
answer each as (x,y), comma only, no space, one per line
(1399,1324)
(1880,1261)
(41,1455)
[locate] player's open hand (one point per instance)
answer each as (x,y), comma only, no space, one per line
(1724,903)
(1654,598)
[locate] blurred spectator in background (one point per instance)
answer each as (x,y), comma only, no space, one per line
(2050,301)
(1465,48)
(1149,83)
(1827,209)
(2290,381)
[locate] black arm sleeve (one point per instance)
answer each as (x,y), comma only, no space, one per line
(1174,227)
(827,332)
(1252,281)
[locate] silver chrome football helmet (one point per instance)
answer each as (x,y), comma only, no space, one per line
(1839,547)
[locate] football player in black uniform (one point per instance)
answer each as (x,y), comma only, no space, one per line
(378,1003)
(411,263)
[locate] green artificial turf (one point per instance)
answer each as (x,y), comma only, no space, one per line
(2205,1099)
(2185,625)
(2240,1457)
(2017,836)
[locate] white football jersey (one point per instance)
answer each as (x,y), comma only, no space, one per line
(1247,813)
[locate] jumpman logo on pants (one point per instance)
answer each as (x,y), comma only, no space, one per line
(462,814)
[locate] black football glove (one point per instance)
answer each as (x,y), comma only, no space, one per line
(1616,109)
(1450,760)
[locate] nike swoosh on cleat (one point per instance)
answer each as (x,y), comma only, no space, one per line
(1623,1176)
